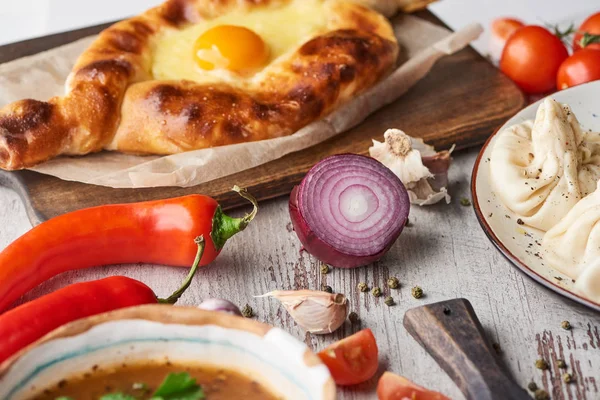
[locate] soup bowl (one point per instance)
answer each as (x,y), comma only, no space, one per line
(179,335)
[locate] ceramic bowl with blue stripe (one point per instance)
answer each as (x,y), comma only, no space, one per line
(266,354)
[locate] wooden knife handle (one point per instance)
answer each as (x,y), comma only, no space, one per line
(453,336)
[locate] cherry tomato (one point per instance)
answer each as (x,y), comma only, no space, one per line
(581,67)
(352,360)
(503,28)
(396,387)
(591,26)
(531,58)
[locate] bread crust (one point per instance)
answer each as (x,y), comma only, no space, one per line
(113,102)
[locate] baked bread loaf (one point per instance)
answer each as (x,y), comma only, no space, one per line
(122,95)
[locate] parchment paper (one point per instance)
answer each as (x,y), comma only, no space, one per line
(43,75)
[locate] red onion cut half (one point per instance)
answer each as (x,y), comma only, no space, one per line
(349,210)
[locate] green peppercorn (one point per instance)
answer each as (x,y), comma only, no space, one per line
(561,364)
(327,289)
(376,291)
(566,325)
(324,269)
(541,364)
(532,386)
(363,287)
(465,202)
(541,394)
(247,311)
(389,301)
(393,283)
(567,378)
(353,317)
(417,292)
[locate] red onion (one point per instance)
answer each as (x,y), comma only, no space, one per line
(349,210)
(220,305)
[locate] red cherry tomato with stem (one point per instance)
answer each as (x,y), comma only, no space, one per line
(592,27)
(531,58)
(352,360)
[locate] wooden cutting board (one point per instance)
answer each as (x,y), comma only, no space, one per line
(461,101)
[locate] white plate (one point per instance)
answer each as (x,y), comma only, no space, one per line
(521,245)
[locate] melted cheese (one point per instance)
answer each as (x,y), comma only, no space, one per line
(282,28)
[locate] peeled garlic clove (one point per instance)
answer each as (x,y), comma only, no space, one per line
(314,310)
(423,171)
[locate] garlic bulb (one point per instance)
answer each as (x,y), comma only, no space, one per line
(314,310)
(421,169)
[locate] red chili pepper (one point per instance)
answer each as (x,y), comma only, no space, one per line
(29,322)
(154,232)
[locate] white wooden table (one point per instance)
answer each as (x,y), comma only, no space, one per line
(444,251)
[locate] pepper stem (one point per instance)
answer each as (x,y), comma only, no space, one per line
(224,226)
(172,299)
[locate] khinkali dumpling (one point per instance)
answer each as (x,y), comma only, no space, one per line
(541,169)
(588,283)
(573,245)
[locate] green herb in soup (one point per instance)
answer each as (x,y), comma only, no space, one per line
(157,381)
(175,387)
(179,386)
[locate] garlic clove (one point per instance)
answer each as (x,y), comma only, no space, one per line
(423,194)
(439,164)
(315,311)
(423,171)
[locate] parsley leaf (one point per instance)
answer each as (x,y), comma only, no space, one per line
(178,387)
(117,396)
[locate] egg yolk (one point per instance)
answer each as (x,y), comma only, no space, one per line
(231,47)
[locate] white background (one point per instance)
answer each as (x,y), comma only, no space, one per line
(23,19)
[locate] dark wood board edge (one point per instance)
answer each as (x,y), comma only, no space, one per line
(12,51)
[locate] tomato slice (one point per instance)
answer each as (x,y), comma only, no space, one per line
(353,359)
(590,26)
(581,67)
(396,387)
